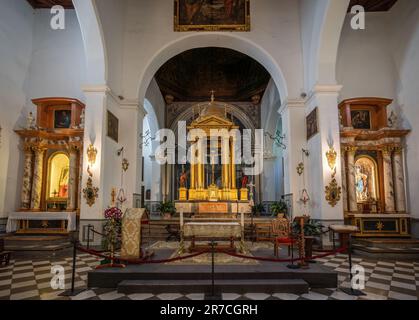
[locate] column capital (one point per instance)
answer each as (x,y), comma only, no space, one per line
(398,150)
(292,103)
(387,150)
(351,149)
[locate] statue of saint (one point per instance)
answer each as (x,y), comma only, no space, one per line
(183,179)
(244,181)
(30,121)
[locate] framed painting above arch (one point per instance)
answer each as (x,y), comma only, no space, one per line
(216,15)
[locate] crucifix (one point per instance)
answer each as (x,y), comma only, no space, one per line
(251,186)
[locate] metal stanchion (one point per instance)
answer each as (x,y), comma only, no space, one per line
(89,227)
(351,291)
(73,292)
(214,295)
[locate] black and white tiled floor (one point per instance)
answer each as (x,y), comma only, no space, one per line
(30,279)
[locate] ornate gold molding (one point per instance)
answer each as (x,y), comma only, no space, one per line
(333,193)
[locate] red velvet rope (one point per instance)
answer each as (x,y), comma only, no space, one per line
(144,261)
(139,261)
(285,260)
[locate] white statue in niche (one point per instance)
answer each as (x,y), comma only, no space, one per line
(30,121)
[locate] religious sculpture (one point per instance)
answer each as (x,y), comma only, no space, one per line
(30,121)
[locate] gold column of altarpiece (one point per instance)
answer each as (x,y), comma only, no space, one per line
(199,191)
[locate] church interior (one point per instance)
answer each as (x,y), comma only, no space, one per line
(142,142)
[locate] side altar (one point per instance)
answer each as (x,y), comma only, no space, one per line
(373,168)
(52,144)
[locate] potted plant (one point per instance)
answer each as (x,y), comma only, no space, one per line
(258,209)
(279,209)
(166,209)
(312,229)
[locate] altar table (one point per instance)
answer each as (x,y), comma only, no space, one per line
(15,217)
(213,230)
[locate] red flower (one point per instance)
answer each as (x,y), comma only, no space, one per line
(113,213)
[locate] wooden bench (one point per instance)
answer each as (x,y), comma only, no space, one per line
(4,255)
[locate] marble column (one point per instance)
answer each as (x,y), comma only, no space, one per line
(344,186)
(27,178)
(37,178)
(72,183)
(399,179)
(388,180)
(353,204)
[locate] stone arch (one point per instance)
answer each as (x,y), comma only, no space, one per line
(93,40)
(221,40)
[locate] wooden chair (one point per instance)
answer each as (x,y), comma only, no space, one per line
(4,255)
(281,231)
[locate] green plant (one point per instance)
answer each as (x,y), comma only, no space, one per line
(279,207)
(166,208)
(312,228)
(257,209)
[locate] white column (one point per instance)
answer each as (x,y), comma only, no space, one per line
(292,112)
(37,178)
(388,180)
(344,185)
(325,99)
(353,203)
(399,179)
(72,183)
(27,178)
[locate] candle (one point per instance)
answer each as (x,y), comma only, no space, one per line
(181,218)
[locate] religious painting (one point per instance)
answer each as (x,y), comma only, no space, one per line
(59,170)
(113,126)
(361,119)
(62,119)
(366,180)
(312,124)
(212,15)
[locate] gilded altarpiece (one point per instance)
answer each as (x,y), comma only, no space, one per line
(51,148)
(373,169)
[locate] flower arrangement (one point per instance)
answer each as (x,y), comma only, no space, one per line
(112,227)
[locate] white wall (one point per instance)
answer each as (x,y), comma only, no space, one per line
(151,41)
(365,64)
(383,61)
(272,177)
(36,62)
(16,21)
(405,45)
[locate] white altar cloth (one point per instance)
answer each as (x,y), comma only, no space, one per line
(15,217)
(212,229)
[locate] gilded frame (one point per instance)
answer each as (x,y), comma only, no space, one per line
(219,27)
(48,181)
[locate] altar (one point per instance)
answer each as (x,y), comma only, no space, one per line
(21,222)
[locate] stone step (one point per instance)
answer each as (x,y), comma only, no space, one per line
(388,243)
(399,253)
(296,286)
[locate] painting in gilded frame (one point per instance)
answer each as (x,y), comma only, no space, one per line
(212,15)
(113,126)
(361,119)
(312,124)
(62,119)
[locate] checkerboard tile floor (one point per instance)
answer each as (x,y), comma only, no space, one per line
(30,279)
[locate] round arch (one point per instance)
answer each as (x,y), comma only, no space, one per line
(215,39)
